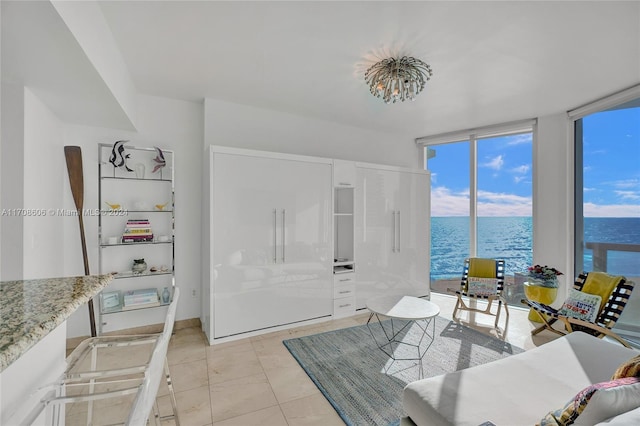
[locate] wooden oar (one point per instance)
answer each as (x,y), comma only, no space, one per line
(73,154)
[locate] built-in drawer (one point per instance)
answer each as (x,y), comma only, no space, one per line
(344,307)
(344,290)
(344,279)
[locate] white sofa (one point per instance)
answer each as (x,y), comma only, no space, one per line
(521,389)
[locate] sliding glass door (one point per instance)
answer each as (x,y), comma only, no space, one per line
(481,205)
(607,194)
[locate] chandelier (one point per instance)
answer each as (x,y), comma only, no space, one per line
(396,79)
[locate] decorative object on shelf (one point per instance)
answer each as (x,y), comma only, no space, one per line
(541,286)
(159,159)
(111,300)
(166,295)
(118,158)
(394,79)
(139,266)
(114,206)
(136,299)
(161,206)
(139,170)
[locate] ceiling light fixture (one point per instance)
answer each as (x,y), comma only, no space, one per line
(396,79)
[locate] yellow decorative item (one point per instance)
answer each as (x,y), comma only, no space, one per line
(161,206)
(537,293)
(113,206)
(601,284)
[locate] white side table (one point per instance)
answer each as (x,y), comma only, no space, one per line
(406,311)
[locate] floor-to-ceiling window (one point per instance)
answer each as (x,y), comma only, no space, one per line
(607,198)
(481,192)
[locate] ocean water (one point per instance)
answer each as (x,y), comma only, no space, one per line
(510,238)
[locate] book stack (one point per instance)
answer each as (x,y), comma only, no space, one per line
(136,299)
(137,230)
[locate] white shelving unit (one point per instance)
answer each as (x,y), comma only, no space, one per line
(344,278)
(140,194)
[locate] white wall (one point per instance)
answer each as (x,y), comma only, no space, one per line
(44,166)
(171,124)
(11,191)
(242,126)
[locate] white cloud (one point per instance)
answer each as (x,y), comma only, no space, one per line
(519,139)
(521,169)
(446,203)
(495,163)
(628,195)
(627,183)
(612,210)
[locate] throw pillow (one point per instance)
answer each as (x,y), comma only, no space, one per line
(483,268)
(581,305)
(602,284)
(597,403)
(630,368)
(482,286)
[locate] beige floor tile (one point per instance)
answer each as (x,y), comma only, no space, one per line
(186,346)
(289,383)
(271,416)
(312,410)
(194,407)
(189,375)
(232,365)
(241,396)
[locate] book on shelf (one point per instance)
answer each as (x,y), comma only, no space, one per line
(141,305)
(141,297)
(137,238)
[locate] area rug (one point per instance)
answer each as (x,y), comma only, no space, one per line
(365,386)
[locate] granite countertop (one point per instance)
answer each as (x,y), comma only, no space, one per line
(30,309)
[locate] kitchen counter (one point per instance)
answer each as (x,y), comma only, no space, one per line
(31,309)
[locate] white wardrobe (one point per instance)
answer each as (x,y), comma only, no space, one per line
(271,245)
(392,238)
(271,239)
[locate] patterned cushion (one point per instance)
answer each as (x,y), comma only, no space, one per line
(597,403)
(581,305)
(482,286)
(630,368)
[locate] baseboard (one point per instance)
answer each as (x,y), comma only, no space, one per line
(147,329)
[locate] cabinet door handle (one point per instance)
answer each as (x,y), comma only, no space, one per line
(275,236)
(393,247)
(344,184)
(283,234)
(346,279)
(398,216)
(344,292)
(344,306)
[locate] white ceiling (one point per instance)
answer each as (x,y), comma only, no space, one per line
(493,62)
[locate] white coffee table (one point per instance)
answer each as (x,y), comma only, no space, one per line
(406,311)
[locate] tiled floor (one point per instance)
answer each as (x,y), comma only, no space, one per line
(255,381)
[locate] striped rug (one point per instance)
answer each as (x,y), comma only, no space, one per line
(365,386)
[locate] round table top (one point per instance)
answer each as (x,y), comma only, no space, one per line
(403,307)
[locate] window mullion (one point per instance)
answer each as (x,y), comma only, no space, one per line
(473,196)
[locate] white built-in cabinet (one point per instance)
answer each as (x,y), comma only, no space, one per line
(392,232)
(271,245)
(296,239)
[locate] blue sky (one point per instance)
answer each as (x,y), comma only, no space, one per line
(611,171)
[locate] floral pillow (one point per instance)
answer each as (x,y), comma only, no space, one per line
(581,305)
(629,368)
(597,403)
